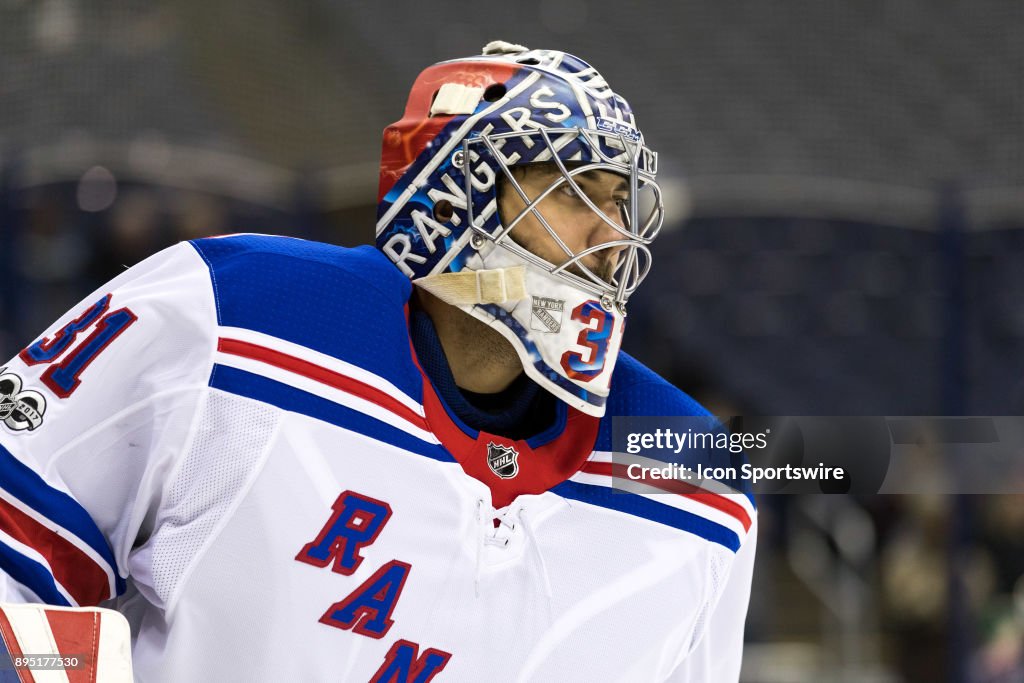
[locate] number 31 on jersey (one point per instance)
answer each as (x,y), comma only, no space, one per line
(64,374)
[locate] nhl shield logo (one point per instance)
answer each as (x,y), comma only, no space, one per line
(502,460)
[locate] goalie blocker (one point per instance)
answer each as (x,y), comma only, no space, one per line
(73,644)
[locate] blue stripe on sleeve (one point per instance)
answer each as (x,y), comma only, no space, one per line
(26,485)
(289,398)
(31,574)
(639,506)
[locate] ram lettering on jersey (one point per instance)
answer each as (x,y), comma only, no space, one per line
(355,524)
(404,664)
(367,610)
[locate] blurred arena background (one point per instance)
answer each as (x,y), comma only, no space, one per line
(846,194)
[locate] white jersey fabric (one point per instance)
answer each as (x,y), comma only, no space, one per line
(232,443)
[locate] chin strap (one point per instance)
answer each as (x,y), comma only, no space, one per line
(469,287)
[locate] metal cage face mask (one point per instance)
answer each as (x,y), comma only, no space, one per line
(472,129)
(570,155)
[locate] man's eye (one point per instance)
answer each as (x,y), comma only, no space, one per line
(569,191)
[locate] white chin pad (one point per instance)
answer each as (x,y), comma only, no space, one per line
(566,341)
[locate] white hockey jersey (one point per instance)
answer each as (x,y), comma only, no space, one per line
(234,445)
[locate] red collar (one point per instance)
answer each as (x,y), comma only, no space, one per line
(526,470)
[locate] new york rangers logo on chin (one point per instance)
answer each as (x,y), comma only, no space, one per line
(502,460)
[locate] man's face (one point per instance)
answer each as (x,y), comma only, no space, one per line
(578,226)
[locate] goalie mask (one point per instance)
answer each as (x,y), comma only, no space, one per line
(473,129)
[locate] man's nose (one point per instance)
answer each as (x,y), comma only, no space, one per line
(603,230)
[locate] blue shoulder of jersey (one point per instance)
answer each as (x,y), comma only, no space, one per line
(637,391)
(346,303)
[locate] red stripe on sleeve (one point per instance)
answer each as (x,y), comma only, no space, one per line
(714,500)
(322,375)
(87,582)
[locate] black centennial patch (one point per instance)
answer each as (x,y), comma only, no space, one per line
(547,314)
(19,410)
(502,460)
